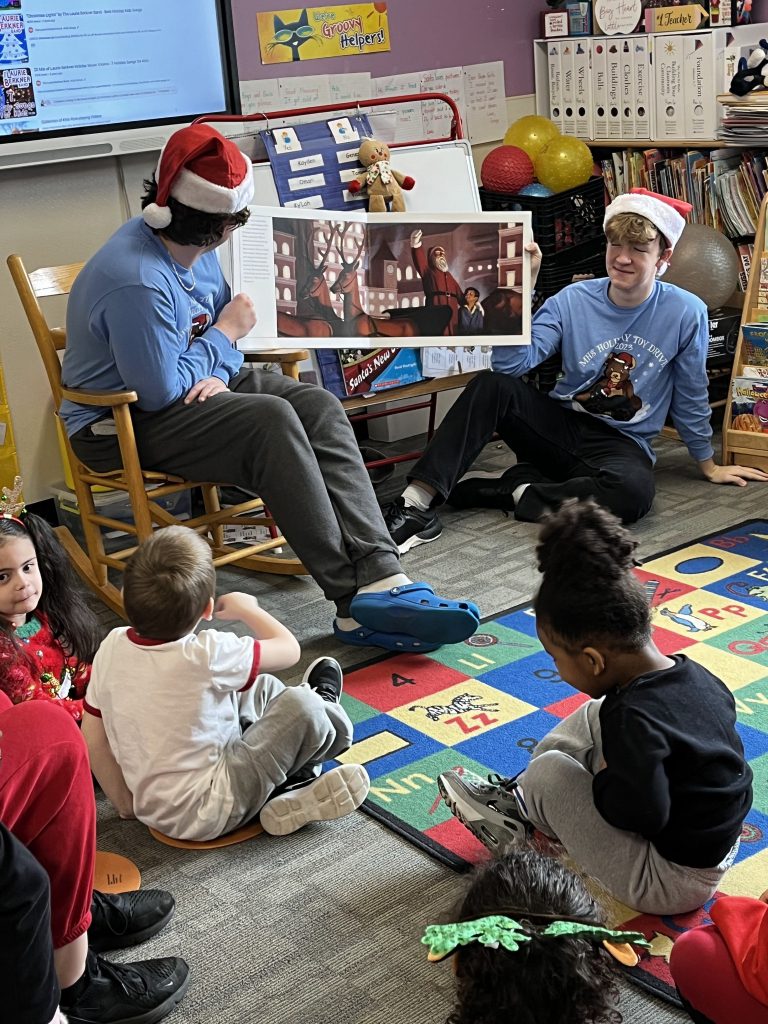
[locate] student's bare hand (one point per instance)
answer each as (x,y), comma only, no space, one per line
(534,252)
(738,475)
(232,607)
(764,897)
(204,389)
(237,318)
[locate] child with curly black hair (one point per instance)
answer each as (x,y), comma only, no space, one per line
(530,945)
(645,785)
(48,633)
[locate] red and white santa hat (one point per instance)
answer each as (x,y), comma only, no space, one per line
(666,214)
(202,170)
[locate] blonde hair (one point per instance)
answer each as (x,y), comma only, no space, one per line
(631,228)
(168,582)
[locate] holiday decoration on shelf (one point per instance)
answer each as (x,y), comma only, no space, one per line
(752,72)
(564,163)
(383,184)
(506,169)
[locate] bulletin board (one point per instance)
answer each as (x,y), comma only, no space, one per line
(425,34)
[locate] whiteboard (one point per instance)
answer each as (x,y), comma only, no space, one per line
(444,173)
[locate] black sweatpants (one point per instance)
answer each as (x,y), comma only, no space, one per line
(29,991)
(579,455)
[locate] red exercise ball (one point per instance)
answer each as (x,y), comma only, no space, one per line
(506,169)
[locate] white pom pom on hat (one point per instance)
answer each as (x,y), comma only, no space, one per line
(666,214)
(202,169)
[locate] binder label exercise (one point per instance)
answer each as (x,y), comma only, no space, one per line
(411,279)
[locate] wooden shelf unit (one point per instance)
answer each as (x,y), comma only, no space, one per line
(742,447)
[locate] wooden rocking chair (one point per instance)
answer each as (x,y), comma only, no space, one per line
(92,561)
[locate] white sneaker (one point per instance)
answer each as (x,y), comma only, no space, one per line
(334,794)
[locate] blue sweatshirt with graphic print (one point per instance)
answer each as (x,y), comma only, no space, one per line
(135,323)
(630,367)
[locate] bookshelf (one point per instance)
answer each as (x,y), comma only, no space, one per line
(743,447)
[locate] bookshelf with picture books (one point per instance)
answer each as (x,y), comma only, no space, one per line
(745,426)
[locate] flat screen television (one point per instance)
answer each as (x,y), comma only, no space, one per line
(90,78)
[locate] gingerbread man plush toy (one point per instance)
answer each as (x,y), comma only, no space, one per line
(383,184)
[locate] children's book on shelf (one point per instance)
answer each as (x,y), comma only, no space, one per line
(749,404)
(754,339)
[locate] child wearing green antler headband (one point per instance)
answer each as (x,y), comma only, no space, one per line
(529,944)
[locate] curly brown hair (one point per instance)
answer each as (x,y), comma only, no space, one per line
(589,594)
(568,980)
(192,227)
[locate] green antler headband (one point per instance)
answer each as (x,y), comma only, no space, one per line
(501,931)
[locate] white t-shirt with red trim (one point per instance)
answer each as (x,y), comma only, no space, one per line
(170,711)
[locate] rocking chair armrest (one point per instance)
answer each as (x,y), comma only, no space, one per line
(99,398)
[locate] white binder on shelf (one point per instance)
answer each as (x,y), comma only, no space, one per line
(599,89)
(642,45)
(555,79)
(627,89)
(669,82)
(613,85)
(566,64)
(582,88)
(699,96)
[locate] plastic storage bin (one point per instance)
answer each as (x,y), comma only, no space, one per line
(560,221)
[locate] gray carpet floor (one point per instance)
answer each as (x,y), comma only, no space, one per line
(323,927)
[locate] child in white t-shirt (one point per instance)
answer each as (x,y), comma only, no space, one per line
(184,731)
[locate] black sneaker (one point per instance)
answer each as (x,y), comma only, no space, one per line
(128,918)
(409,526)
(326,678)
(490,810)
(493,492)
(138,993)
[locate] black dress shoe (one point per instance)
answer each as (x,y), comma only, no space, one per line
(494,492)
(128,918)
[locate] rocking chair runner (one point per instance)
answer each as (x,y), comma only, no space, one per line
(92,561)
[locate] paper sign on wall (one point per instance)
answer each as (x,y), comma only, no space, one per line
(307,33)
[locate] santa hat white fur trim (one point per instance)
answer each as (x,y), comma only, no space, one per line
(199,194)
(664,217)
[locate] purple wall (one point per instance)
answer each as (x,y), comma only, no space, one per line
(425,34)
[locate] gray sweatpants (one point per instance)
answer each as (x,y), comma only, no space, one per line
(557,789)
(290,443)
(290,727)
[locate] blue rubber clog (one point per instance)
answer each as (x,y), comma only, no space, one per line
(362,637)
(415,610)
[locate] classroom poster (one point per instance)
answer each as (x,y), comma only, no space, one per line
(401,279)
(307,33)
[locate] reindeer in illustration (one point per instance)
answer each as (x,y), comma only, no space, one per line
(358,323)
(315,316)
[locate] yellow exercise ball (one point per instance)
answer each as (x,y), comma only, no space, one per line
(564,163)
(531,133)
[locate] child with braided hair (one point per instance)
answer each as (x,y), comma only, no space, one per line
(645,785)
(48,634)
(530,945)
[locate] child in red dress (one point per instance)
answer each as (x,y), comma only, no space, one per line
(48,634)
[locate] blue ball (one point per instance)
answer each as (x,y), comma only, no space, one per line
(536,189)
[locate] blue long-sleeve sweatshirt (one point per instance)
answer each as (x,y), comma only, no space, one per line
(132,324)
(632,366)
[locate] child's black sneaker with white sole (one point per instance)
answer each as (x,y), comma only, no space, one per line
(326,678)
(138,993)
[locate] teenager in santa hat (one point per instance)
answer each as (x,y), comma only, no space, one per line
(151,312)
(658,331)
